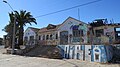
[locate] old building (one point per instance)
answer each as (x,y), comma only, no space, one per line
(30,36)
(78,40)
(48,35)
(103,33)
(71,31)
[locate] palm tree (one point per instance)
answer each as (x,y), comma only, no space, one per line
(23,18)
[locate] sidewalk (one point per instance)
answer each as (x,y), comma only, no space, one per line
(22,61)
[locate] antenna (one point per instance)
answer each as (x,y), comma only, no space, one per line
(78,14)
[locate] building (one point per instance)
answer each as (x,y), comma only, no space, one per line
(78,40)
(103,33)
(71,31)
(48,35)
(30,36)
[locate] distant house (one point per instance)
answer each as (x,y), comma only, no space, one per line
(71,31)
(30,36)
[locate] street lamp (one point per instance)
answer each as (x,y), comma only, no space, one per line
(13,40)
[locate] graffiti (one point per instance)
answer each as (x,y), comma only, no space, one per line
(73,52)
(109,32)
(79,32)
(94,53)
(78,39)
(110,37)
(79,27)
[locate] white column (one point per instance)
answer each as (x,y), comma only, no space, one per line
(58,32)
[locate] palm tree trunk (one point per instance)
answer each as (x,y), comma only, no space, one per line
(20,40)
(10,36)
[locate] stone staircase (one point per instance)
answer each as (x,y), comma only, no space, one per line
(46,51)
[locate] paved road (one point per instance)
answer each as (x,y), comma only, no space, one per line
(22,61)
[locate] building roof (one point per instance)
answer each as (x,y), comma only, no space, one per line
(48,28)
(52,27)
(34,29)
(76,20)
(102,22)
(73,19)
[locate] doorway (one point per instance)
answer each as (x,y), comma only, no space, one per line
(64,37)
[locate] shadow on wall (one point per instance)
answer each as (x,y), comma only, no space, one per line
(116,54)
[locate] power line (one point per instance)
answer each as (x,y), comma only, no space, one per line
(68,8)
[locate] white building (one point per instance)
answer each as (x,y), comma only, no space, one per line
(30,36)
(71,31)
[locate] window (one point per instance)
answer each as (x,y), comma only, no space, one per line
(43,37)
(39,37)
(28,33)
(117,33)
(26,39)
(56,36)
(47,37)
(117,29)
(31,37)
(99,32)
(51,37)
(77,33)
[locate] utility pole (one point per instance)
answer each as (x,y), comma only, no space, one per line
(13,40)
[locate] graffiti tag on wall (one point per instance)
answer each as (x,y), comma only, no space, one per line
(95,53)
(82,32)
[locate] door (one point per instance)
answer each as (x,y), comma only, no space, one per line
(97,54)
(31,41)
(64,38)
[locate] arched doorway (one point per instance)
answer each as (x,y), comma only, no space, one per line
(97,54)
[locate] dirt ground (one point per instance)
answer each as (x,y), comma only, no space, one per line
(22,61)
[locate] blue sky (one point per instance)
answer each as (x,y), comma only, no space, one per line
(109,9)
